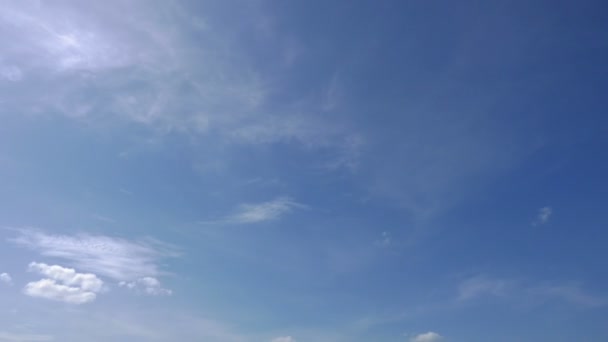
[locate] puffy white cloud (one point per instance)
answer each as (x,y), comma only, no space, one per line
(427,337)
(147,285)
(284,339)
(6,278)
(68,276)
(265,211)
(50,289)
(116,258)
(63,284)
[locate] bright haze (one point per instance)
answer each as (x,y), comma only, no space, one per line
(303,171)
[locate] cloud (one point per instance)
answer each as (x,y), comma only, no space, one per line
(147,285)
(427,337)
(385,239)
(478,286)
(63,284)
(50,289)
(570,293)
(284,339)
(265,211)
(116,258)
(528,291)
(6,278)
(95,64)
(68,276)
(13,337)
(543,216)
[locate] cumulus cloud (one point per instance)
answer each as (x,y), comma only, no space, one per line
(265,211)
(284,339)
(6,278)
(50,289)
(147,285)
(427,337)
(63,284)
(68,276)
(116,258)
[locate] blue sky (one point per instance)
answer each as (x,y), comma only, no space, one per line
(293,171)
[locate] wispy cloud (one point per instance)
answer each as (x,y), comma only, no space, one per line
(480,286)
(265,211)
(144,69)
(103,218)
(116,258)
(63,284)
(543,215)
(427,337)
(571,293)
(248,213)
(15,337)
(284,339)
(385,239)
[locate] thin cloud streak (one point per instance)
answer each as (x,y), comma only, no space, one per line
(116,258)
(250,213)
(15,337)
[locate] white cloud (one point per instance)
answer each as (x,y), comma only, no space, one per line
(284,339)
(14,337)
(427,337)
(147,285)
(63,284)
(68,276)
(50,289)
(120,259)
(6,278)
(265,211)
(543,216)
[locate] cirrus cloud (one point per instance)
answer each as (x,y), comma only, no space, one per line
(116,258)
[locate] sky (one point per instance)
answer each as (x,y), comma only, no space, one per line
(303,171)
